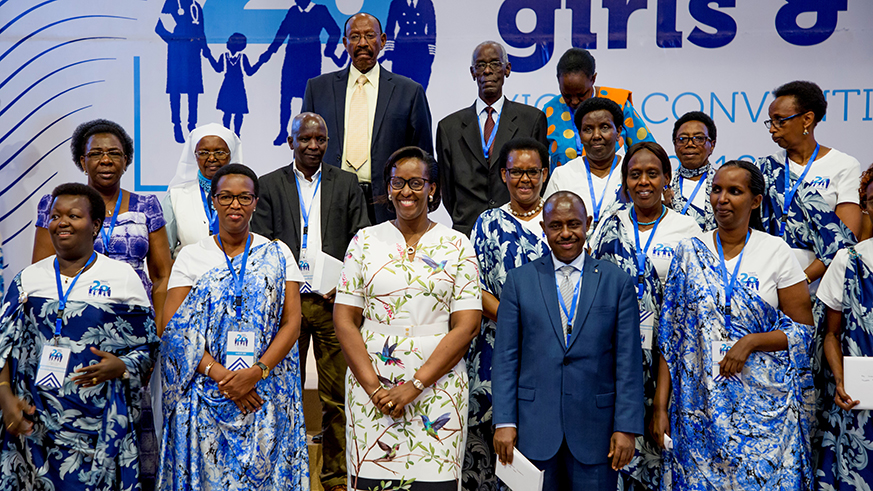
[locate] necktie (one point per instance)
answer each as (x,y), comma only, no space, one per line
(359,127)
(567,294)
(489,128)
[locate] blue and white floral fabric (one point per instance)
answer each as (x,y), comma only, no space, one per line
(83,437)
(752,433)
(501,243)
(705,217)
(207,442)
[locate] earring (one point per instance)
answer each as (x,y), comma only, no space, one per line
(805,131)
(430,198)
(389,197)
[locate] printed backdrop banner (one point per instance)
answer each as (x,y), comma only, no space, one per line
(160,67)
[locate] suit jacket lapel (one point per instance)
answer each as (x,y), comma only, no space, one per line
(293,198)
(340,84)
(327,183)
(505,130)
(471,133)
(590,280)
(386,88)
(546,270)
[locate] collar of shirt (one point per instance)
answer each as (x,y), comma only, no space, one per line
(372,76)
(577,263)
(301,177)
(308,7)
(498,108)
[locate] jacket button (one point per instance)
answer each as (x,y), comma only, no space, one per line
(566,362)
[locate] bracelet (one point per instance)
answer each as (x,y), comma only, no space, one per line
(6,384)
(808,281)
(374,392)
(206,371)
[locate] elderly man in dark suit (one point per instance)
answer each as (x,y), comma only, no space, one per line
(371,111)
(316,209)
(469,140)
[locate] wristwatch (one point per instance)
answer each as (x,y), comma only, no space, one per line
(265,370)
(417,384)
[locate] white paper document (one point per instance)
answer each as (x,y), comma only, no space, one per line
(521,474)
(327,271)
(858,380)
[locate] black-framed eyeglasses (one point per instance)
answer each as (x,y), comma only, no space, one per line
(696,139)
(415,183)
(494,65)
(205,154)
(517,174)
(779,122)
(244,199)
(114,155)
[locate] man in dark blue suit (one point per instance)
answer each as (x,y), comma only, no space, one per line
(371,111)
(567,366)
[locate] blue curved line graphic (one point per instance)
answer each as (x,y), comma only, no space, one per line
(28,62)
(45,77)
(31,9)
(34,33)
(33,166)
(28,197)
(4,137)
(4,164)
(22,229)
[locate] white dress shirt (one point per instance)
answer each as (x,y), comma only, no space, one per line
(483,114)
(311,199)
(371,90)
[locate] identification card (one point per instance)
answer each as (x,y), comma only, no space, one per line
(647,328)
(240,350)
(719,350)
(52,367)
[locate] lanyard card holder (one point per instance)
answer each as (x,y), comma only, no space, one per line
(240,350)
(647,328)
(719,351)
(52,366)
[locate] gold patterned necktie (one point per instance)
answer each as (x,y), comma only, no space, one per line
(359,127)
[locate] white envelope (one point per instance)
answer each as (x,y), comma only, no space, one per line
(521,475)
(858,380)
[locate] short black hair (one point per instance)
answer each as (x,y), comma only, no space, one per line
(430,163)
(90,128)
(235,169)
(695,116)
(523,143)
(346,25)
(756,185)
(807,96)
(657,150)
(597,104)
(98,207)
(577,60)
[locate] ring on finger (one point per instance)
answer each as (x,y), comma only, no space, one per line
(94,381)
(390,405)
(10,425)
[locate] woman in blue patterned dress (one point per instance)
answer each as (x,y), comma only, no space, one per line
(72,427)
(503,238)
(640,239)
(231,373)
(735,345)
(847,291)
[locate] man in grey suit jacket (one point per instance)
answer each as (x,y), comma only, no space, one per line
(315,208)
(401,118)
(469,141)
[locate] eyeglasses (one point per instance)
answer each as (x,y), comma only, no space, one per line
(114,155)
(779,122)
(244,199)
(697,139)
(493,65)
(205,154)
(415,183)
(356,38)
(532,174)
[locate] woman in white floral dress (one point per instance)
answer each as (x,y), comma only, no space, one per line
(407,306)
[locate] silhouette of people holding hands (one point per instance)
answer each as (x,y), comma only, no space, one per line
(411,46)
(232,98)
(181,27)
(302,26)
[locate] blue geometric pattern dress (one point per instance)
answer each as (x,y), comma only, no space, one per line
(501,244)
(747,434)
(847,443)
(207,442)
(83,438)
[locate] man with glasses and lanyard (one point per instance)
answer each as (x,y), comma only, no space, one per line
(468,141)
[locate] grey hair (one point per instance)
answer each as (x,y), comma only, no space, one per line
(503,56)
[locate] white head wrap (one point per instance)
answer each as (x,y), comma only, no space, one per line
(187,169)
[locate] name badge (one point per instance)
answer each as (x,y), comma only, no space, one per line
(647,328)
(719,350)
(52,367)
(240,350)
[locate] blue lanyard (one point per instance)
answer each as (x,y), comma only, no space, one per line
(572,306)
(791,190)
(62,297)
(237,279)
(303,210)
(595,203)
(486,147)
(107,236)
(641,252)
(211,214)
(729,285)
(693,193)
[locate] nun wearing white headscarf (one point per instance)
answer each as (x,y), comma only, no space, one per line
(188,205)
